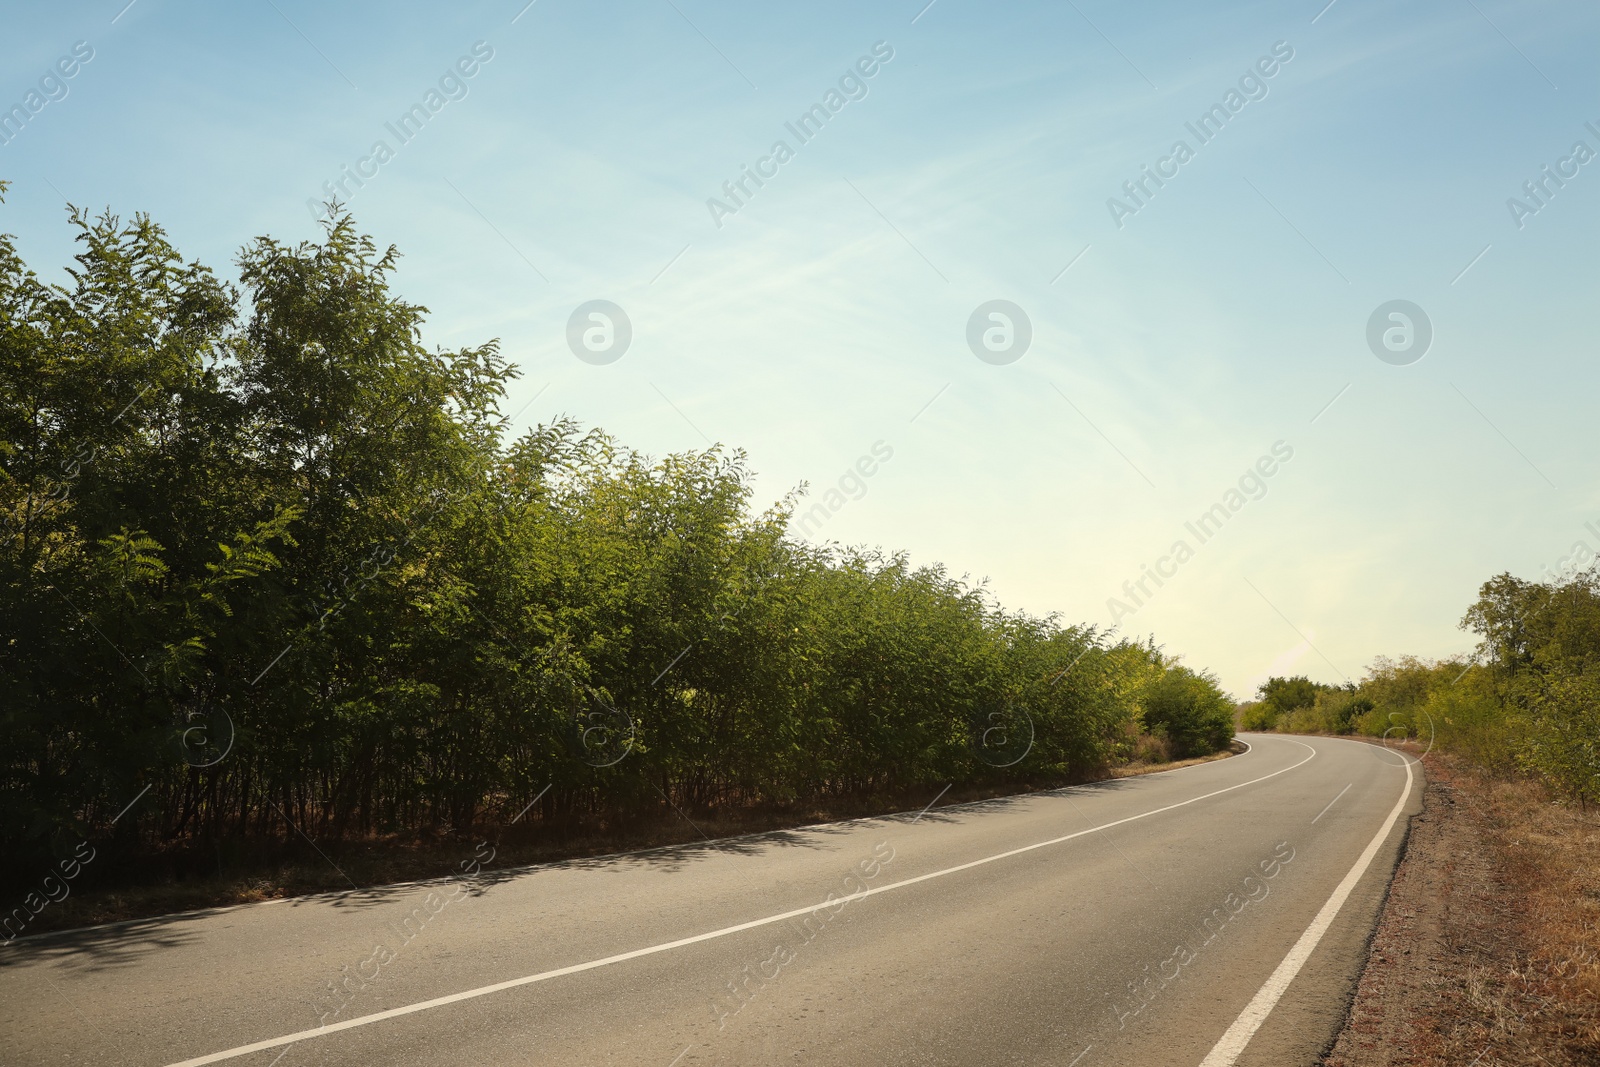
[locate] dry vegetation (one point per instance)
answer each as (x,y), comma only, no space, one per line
(1488,953)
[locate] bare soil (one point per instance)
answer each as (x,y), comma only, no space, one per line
(1488,950)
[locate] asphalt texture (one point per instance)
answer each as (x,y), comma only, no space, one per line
(1123,922)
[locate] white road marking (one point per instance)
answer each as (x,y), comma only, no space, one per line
(559,972)
(1331,803)
(1227,1049)
(341,894)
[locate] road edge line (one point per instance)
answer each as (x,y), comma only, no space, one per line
(338,895)
(650,950)
(1232,1044)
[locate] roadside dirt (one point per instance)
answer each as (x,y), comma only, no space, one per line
(1488,950)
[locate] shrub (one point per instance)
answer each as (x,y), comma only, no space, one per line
(1190,709)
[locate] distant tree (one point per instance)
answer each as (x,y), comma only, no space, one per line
(1500,617)
(1277,697)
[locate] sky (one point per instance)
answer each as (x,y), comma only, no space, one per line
(1159,349)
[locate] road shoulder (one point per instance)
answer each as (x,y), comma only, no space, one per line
(1486,949)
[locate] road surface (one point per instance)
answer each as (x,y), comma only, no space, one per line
(1215,914)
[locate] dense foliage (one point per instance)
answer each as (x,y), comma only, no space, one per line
(1188,709)
(1528,701)
(267,557)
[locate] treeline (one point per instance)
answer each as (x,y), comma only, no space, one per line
(270,566)
(1527,702)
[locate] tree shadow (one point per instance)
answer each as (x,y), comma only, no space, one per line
(99,948)
(127,943)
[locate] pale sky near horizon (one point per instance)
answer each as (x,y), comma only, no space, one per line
(1175,341)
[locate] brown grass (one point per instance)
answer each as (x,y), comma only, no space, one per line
(1488,949)
(1148,765)
(1551,852)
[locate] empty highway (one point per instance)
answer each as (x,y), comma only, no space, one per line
(1215,914)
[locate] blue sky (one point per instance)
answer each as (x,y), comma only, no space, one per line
(825,314)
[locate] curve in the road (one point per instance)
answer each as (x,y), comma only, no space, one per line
(543,976)
(1232,1043)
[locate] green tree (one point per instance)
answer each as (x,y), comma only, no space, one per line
(273,509)
(1277,697)
(1189,708)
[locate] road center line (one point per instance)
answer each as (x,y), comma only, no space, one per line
(1331,803)
(543,976)
(1227,1049)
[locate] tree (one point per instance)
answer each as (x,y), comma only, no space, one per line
(272,511)
(1189,708)
(1500,617)
(1277,697)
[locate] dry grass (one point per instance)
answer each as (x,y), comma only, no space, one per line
(1150,766)
(1551,855)
(1488,949)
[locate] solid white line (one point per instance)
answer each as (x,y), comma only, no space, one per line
(543,976)
(1226,1051)
(1331,803)
(391,887)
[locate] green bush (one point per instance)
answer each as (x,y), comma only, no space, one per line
(1559,739)
(1189,709)
(275,514)
(1260,717)
(1529,701)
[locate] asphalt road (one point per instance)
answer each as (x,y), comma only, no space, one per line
(1216,914)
